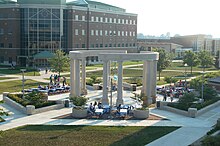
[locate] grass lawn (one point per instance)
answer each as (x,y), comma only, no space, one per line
(5,78)
(16,86)
(82,135)
(17,71)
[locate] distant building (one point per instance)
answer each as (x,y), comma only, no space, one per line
(197,42)
(29,27)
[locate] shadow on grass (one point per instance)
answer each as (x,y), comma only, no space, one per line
(144,136)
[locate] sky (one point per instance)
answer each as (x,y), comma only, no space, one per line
(183,17)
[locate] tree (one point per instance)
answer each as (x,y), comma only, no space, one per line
(191,59)
(217,60)
(205,59)
(60,62)
(163,62)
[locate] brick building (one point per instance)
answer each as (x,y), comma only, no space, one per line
(29,27)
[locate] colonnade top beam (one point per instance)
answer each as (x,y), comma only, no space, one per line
(148,56)
(85,53)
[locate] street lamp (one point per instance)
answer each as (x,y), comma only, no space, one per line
(23,80)
(185,65)
(203,72)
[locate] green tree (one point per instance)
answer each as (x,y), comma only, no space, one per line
(216,64)
(205,59)
(60,62)
(191,59)
(163,62)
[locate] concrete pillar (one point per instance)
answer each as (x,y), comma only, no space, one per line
(120,82)
(143,91)
(105,83)
(84,90)
(109,74)
(72,78)
(77,78)
(154,78)
(147,88)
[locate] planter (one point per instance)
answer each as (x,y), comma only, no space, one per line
(141,114)
(79,113)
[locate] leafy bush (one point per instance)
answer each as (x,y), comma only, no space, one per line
(35,98)
(78,100)
(211,141)
(209,93)
(169,79)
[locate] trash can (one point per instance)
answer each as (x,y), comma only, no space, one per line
(67,102)
(158,104)
(134,87)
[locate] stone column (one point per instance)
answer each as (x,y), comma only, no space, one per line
(109,75)
(77,78)
(84,90)
(154,78)
(143,91)
(105,83)
(120,82)
(72,78)
(147,88)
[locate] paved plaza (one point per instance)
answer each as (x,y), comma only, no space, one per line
(191,128)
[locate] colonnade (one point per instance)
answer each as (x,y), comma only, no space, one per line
(149,73)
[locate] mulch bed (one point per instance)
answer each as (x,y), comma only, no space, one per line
(107,117)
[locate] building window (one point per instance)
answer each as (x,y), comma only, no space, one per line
(130,33)
(110,32)
(119,20)
(130,44)
(114,20)
(106,45)
(97,45)
(126,21)
(126,33)
(76,32)
(92,58)
(106,20)
(96,58)
(119,45)
(134,22)
(92,32)
(1,45)
(10,60)
(83,32)
(123,45)
(130,21)
(83,18)
(96,32)
(126,44)
(122,33)
(76,17)
(2,59)
(110,45)
(114,45)
(92,45)
(110,20)
(106,33)
(77,45)
(114,33)
(100,32)
(133,44)
(119,33)
(101,45)
(1,31)
(123,21)
(97,19)
(101,19)
(92,18)
(10,45)
(133,33)
(83,45)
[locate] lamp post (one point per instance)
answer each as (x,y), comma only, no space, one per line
(203,72)
(185,65)
(23,80)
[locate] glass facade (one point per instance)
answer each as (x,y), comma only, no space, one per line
(40,30)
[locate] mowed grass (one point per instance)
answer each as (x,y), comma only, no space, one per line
(5,78)
(82,135)
(18,72)
(16,86)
